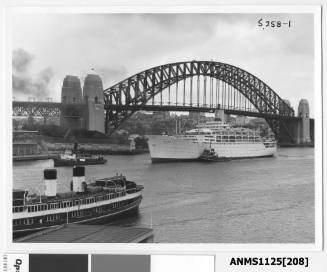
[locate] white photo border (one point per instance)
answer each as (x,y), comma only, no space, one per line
(162,248)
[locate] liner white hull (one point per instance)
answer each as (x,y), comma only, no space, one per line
(165,148)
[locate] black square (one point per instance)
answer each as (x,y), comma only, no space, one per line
(58,263)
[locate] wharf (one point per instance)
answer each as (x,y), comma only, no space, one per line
(78,233)
(34,157)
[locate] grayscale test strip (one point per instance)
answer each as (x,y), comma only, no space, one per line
(106,263)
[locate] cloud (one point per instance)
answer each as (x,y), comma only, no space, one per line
(21,60)
(120,45)
(112,75)
(23,82)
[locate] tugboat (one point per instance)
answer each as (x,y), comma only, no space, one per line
(211,156)
(74,157)
(86,203)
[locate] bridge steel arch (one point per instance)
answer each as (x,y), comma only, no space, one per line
(134,93)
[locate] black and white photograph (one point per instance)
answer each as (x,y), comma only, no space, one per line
(184,127)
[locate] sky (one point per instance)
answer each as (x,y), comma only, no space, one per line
(46,47)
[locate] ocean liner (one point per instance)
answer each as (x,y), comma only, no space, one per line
(227,142)
(85,203)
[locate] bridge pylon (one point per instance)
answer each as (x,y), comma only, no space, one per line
(82,111)
(72,108)
(93,98)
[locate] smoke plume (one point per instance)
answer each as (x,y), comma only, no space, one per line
(22,81)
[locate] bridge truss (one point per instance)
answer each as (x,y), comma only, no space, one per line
(40,109)
(196,86)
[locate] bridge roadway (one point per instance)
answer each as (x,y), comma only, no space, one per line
(52,109)
(244,112)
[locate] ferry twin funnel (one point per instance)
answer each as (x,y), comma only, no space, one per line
(85,203)
(227,142)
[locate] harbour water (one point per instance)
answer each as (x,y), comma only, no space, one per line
(264,200)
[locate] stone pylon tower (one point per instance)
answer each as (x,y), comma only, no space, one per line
(71,91)
(93,97)
(304,122)
(71,94)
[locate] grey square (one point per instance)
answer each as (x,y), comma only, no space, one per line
(120,263)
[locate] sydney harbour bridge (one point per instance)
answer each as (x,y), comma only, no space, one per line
(193,86)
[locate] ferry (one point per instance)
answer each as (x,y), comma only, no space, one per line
(69,158)
(96,202)
(226,141)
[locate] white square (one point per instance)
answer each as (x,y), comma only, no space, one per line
(16,262)
(182,263)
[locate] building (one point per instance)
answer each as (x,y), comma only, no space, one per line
(196,116)
(162,115)
(85,110)
(71,91)
(93,97)
(304,123)
(25,143)
(241,120)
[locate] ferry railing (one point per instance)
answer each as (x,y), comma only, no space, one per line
(57,205)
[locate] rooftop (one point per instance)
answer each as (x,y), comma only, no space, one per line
(77,233)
